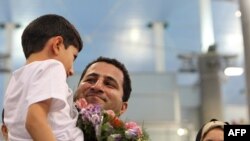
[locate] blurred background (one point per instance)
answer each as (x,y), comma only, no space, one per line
(185,57)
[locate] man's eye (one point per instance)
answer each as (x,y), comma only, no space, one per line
(90,80)
(110,84)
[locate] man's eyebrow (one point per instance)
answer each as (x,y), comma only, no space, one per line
(92,74)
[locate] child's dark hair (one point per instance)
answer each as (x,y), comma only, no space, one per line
(39,31)
(3,116)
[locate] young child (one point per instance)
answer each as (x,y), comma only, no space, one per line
(38,102)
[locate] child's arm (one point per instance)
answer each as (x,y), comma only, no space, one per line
(36,121)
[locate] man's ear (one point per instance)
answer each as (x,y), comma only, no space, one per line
(124,108)
(57,43)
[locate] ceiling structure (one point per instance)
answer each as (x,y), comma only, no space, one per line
(119,29)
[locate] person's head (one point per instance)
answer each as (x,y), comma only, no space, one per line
(212,131)
(4,128)
(105,81)
(52,34)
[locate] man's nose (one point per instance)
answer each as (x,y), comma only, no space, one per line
(97,86)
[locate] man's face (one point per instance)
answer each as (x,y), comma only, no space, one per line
(103,84)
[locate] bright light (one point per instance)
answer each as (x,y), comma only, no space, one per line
(233,43)
(237,13)
(134,35)
(181,131)
(233,71)
(134,43)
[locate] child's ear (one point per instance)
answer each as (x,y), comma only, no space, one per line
(57,43)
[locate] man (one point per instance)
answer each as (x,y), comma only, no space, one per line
(105,81)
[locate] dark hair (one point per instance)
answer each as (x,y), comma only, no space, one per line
(39,31)
(126,79)
(216,125)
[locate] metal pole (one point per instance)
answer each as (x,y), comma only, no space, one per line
(210,86)
(245,13)
(177,108)
(158,29)
(207,31)
(9,28)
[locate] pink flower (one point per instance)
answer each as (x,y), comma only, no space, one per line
(81,103)
(132,126)
(110,113)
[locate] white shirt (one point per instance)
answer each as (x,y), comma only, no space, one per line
(36,82)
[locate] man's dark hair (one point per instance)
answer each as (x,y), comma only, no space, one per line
(126,79)
(39,31)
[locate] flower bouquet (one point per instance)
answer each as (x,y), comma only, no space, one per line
(103,125)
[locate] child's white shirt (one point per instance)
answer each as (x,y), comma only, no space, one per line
(36,82)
